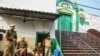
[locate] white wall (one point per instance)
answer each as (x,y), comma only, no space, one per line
(27,29)
(94,23)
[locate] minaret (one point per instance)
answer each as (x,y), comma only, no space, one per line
(75,2)
(75,5)
(76,8)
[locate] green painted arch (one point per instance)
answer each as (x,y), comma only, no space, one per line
(64,1)
(82,19)
(65,11)
(82,15)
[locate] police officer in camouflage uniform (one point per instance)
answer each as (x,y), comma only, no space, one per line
(22,46)
(11,37)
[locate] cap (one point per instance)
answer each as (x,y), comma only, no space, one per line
(12,24)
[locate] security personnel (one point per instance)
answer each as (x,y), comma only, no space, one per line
(38,50)
(47,44)
(22,46)
(11,37)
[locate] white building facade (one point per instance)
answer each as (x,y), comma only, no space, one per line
(93,23)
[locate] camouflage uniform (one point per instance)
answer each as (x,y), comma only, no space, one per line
(22,46)
(10,44)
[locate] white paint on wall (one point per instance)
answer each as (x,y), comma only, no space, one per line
(93,23)
(27,29)
(73,20)
(56,24)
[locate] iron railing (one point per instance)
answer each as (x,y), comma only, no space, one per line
(83,46)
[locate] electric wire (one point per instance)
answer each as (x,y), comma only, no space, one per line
(85,6)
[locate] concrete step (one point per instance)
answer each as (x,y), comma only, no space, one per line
(78,51)
(66,40)
(69,48)
(68,44)
(75,48)
(96,46)
(90,49)
(80,54)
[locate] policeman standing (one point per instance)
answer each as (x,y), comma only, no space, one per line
(47,44)
(11,37)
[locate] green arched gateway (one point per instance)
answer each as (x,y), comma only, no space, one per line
(69,19)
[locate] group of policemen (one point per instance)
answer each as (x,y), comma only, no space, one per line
(12,47)
(43,49)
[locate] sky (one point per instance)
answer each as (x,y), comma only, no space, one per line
(37,5)
(92,3)
(48,5)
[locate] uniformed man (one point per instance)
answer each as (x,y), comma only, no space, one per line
(38,50)
(47,46)
(11,37)
(22,46)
